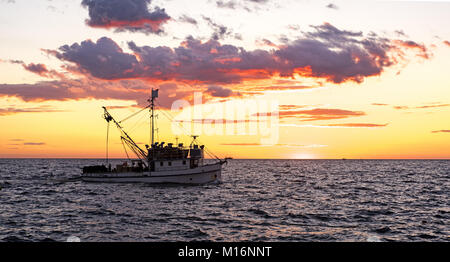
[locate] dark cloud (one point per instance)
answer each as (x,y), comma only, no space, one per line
(208,62)
(423,51)
(332,6)
(187,19)
(327,53)
(220,31)
(336,55)
(265,42)
(226,4)
(103,59)
(248,5)
(90,88)
(400,33)
(34,144)
(68,89)
(218,91)
(446,43)
(16,61)
(125,15)
(39,69)
(25,143)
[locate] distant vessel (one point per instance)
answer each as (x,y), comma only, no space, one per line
(228,158)
(159,163)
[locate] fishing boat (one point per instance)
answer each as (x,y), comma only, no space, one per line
(159,162)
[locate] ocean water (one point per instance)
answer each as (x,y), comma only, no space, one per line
(258,200)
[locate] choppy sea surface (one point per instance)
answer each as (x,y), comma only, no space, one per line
(258,200)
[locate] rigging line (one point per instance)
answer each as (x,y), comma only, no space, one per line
(136,124)
(107,143)
(124,148)
(170,118)
(168,115)
(157,129)
(135,113)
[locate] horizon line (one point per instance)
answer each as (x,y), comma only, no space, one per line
(80,158)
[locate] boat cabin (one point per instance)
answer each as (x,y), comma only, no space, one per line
(168,157)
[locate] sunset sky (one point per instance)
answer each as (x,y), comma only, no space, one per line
(353,79)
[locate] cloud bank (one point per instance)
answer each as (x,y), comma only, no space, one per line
(327,53)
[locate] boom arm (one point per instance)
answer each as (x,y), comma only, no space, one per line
(125,137)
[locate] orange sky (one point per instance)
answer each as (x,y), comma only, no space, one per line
(330,89)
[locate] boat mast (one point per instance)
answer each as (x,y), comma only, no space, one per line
(152,114)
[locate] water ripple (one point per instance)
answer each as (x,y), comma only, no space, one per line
(259,200)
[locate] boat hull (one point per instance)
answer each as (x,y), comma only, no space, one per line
(200,175)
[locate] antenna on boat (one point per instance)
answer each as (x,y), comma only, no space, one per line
(194,140)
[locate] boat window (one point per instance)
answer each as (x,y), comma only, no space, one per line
(170,163)
(184,162)
(162,163)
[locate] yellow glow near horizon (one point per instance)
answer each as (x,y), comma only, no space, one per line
(402,108)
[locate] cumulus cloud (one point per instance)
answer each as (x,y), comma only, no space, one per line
(125,15)
(327,53)
(103,59)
